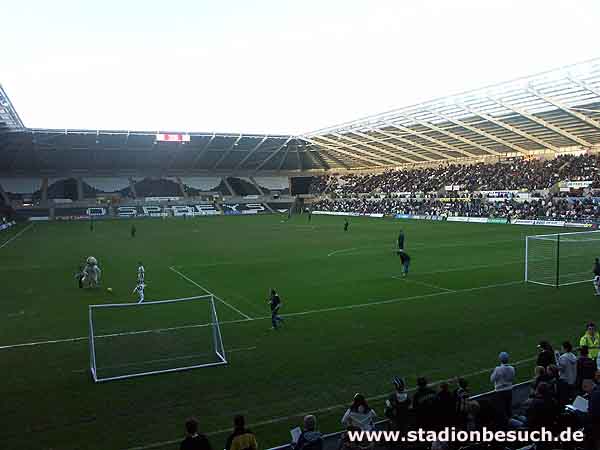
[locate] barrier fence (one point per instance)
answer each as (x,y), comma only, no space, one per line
(331,441)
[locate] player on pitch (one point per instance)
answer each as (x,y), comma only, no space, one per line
(139,289)
(401,240)
(141,273)
(596,271)
(405,260)
(275,303)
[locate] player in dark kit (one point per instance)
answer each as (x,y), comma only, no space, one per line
(275,303)
(405,260)
(346,224)
(133,230)
(309,215)
(596,271)
(80,275)
(401,240)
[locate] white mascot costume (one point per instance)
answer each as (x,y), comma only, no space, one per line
(92,272)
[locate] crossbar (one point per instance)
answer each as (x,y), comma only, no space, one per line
(153,302)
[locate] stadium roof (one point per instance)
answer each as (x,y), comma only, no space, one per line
(71,152)
(9,119)
(553,111)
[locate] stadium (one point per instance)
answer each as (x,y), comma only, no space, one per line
(494,193)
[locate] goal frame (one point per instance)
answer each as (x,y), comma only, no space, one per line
(217,343)
(557,267)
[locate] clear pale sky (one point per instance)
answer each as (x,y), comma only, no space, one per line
(271,66)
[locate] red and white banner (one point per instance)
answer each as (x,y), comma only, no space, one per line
(178,137)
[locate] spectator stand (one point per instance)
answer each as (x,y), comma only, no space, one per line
(331,441)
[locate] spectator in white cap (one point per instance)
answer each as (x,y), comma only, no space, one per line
(503,377)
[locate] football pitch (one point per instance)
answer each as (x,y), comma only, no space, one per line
(351,322)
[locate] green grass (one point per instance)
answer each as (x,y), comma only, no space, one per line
(325,352)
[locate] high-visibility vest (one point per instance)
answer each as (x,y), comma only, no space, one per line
(593,343)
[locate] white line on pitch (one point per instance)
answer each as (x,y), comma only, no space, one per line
(176,358)
(210,293)
(322,410)
(36,343)
(421,246)
(422,283)
(16,235)
(335,252)
(293,314)
(396,300)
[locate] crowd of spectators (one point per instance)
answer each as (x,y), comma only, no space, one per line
(562,381)
(549,208)
(512,174)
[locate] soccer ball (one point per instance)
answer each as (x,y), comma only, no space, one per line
(109,290)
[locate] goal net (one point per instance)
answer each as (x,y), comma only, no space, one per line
(561,259)
(135,339)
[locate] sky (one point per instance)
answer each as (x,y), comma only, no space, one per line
(271,66)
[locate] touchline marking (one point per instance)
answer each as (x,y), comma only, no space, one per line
(397,277)
(293,314)
(246,316)
(16,235)
(324,409)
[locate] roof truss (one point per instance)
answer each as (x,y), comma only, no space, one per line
(550,111)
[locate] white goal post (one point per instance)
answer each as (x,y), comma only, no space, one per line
(561,259)
(135,339)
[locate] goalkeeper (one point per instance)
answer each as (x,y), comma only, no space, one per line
(275,303)
(596,271)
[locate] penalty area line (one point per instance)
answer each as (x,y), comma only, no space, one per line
(325,409)
(396,300)
(422,283)
(343,250)
(185,277)
(4,244)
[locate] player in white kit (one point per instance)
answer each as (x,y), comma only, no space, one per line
(141,273)
(140,291)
